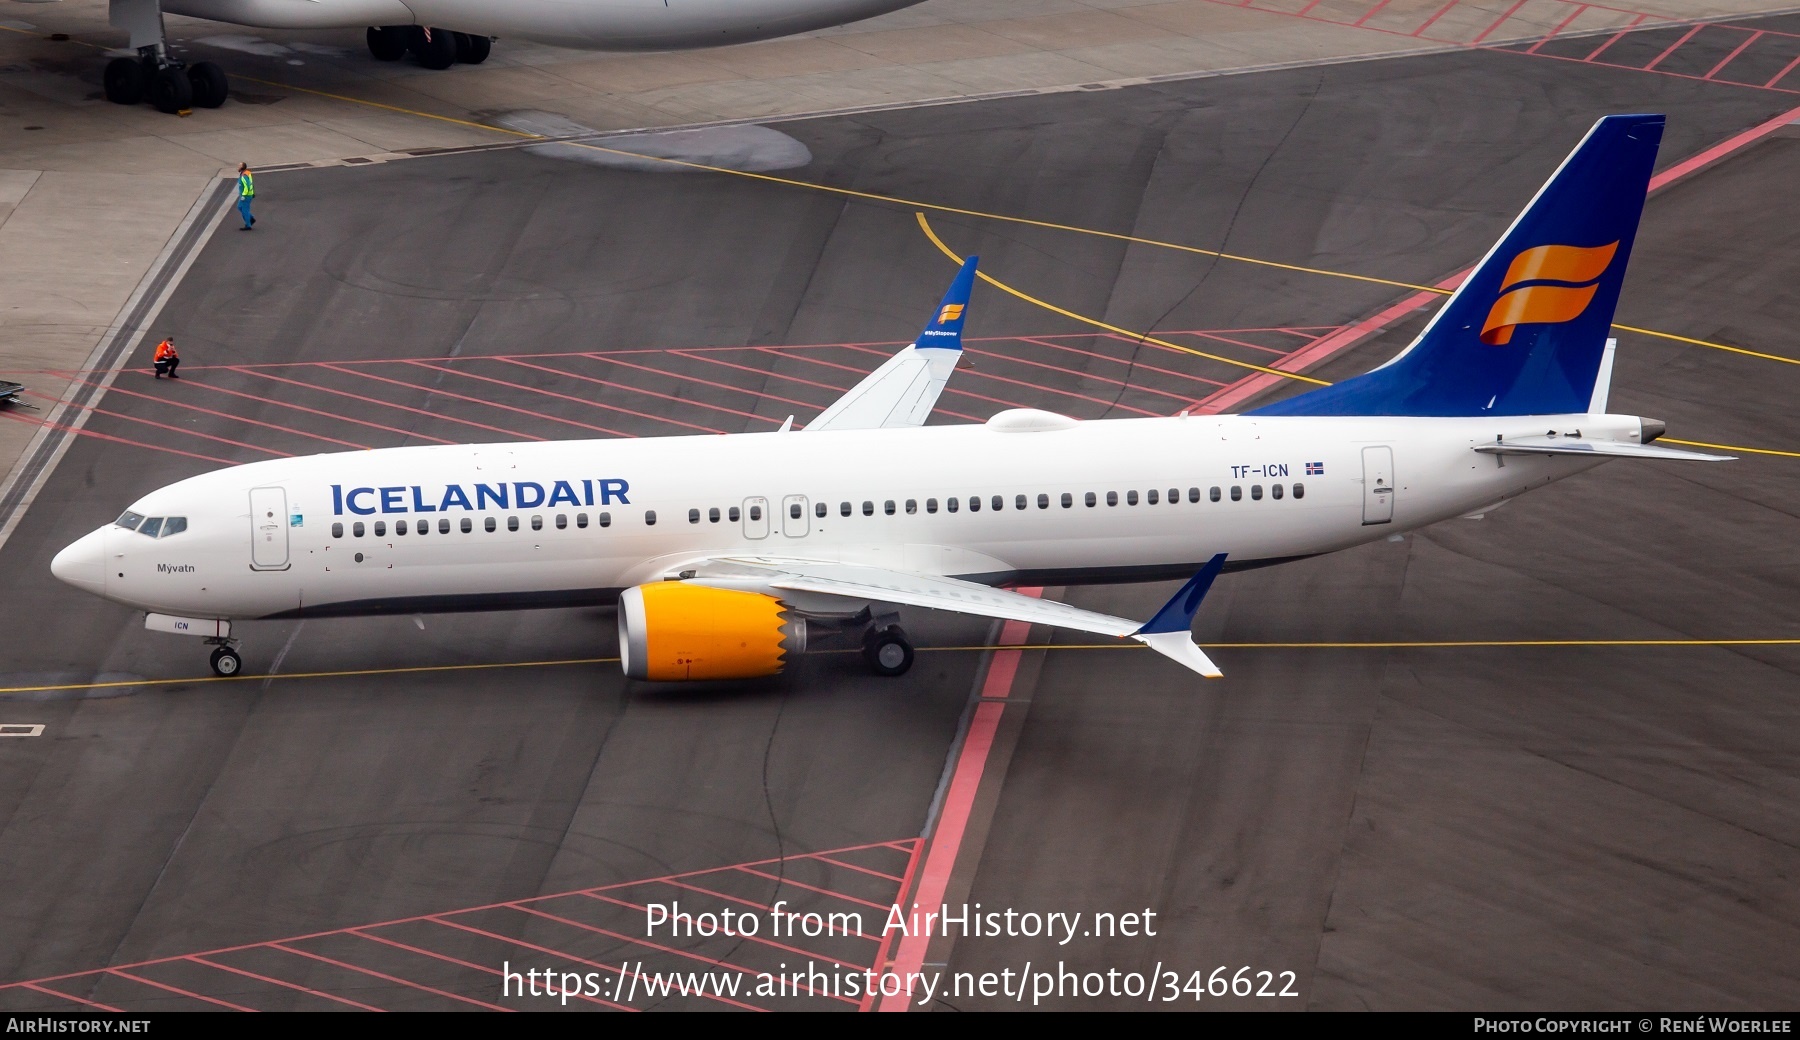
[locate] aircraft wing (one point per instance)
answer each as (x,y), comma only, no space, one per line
(903,390)
(1167,633)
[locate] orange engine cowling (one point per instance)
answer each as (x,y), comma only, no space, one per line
(672,632)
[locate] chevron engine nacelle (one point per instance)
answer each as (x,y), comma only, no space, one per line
(675,632)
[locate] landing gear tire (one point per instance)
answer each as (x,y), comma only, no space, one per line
(226,662)
(388,42)
(170,90)
(210,87)
(472,50)
(435,48)
(124,81)
(888,651)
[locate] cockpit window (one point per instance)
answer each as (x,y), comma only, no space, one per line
(129,520)
(151,527)
(173,525)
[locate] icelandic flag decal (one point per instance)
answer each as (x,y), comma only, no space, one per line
(1315,469)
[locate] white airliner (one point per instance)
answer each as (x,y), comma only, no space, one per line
(721,551)
(439,33)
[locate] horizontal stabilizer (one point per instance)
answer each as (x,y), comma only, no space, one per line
(905,388)
(1612,449)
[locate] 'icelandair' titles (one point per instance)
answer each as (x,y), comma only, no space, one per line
(519,494)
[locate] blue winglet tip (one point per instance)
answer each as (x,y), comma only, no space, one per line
(1177,615)
(944,330)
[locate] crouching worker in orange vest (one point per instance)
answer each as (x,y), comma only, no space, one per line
(167,361)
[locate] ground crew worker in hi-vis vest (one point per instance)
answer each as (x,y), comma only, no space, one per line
(246,193)
(167,361)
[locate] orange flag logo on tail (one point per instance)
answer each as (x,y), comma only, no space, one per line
(950,313)
(1546,304)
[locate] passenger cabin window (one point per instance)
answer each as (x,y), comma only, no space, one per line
(1256,492)
(999,502)
(931,505)
(1275,492)
(974,503)
(731,514)
(512,523)
(650,516)
(1150,497)
(399,527)
(337,530)
(1019,502)
(819,509)
(794,510)
(1299,490)
(562,521)
(605,519)
(1131,498)
(712,516)
(693,516)
(756,513)
(537,523)
(1175,495)
(912,506)
(1194,495)
(1112,498)
(950,504)
(443,525)
(381,528)
(868,508)
(1091,500)
(1068,500)
(467,525)
(1213,494)
(493,523)
(356,529)
(1043,502)
(1237,493)
(581,519)
(889,507)
(843,509)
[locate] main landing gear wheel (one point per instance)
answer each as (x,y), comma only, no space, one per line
(472,50)
(226,662)
(209,84)
(435,48)
(388,42)
(887,650)
(124,81)
(170,90)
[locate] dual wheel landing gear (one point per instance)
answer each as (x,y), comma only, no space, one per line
(171,86)
(887,649)
(434,48)
(225,659)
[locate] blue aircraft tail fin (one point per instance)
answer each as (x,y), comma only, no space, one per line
(1526,331)
(944,330)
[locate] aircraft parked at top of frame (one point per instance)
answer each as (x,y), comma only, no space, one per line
(440,33)
(724,552)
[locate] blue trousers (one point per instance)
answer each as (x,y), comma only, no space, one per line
(244,209)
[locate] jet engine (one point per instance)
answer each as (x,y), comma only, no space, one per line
(673,632)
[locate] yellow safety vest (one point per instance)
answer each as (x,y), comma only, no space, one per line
(246,185)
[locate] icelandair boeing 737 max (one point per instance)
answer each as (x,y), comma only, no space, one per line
(722,551)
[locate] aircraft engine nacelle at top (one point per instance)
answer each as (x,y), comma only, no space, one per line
(675,632)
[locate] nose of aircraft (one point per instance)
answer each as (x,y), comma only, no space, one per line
(83,563)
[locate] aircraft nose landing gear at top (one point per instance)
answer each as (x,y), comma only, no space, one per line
(170,85)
